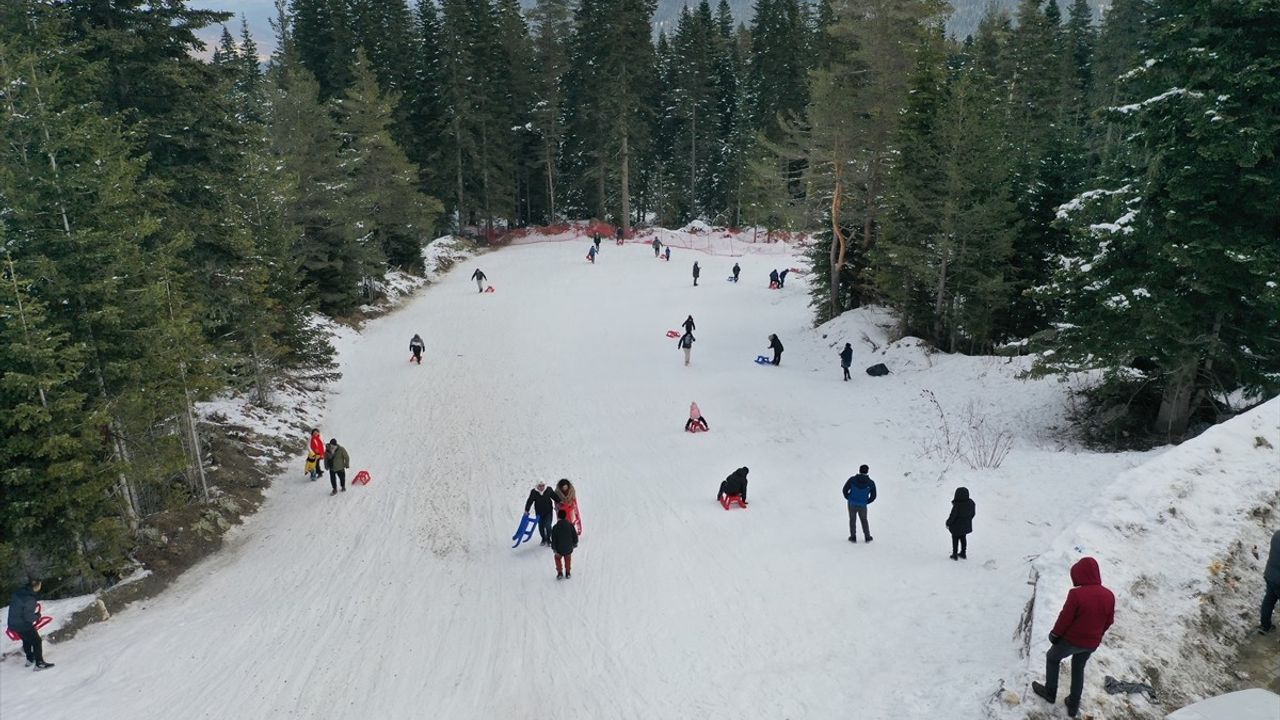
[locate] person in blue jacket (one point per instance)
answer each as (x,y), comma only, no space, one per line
(859,491)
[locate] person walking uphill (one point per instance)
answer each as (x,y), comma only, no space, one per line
(860,491)
(542,499)
(337,460)
(776,346)
(846,359)
(737,269)
(416,346)
(22,620)
(1271,577)
(686,344)
(564,538)
(1086,615)
(480,279)
(960,523)
(697,271)
(688,324)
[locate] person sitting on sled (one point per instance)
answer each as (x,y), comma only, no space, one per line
(735,484)
(695,418)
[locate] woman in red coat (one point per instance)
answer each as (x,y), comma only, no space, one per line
(315,452)
(1088,612)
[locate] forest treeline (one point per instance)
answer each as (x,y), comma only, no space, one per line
(1106,192)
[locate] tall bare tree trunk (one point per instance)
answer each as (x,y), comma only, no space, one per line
(626,186)
(839,243)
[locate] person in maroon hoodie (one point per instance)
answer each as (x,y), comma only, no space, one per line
(1089,611)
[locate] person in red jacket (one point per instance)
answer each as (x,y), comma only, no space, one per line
(1089,611)
(315,454)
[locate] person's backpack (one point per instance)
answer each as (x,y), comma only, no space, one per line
(877,370)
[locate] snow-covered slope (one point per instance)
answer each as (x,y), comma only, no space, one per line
(1175,540)
(404,599)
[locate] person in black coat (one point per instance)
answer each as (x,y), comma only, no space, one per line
(22,620)
(480,279)
(735,484)
(543,500)
(773,279)
(688,324)
(416,346)
(736,270)
(597,241)
(697,271)
(776,346)
(782,277)
(960,523)
(564,538)
(846,359)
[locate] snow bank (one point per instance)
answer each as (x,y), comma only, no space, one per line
(697,236)
(437,257)
(1172,537)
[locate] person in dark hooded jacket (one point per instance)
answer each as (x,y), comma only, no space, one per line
(773,279)
(735,484)
(736,270)
(846,359)
(22,620)
(697,272)
(960,523)
(564,538)
(859,491)
(1086,615)
(776,346)
(688,324)
(416,346)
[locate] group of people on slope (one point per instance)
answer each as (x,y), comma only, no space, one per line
(778,280)
(562,537)
(332,457)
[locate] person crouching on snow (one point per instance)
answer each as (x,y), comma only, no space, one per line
(695,418)
(735,484)
(564,538)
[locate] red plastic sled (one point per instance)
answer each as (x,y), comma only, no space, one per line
(489,289)
(773,286)
(695,428)
(728,500)
(673,333)
(361,478)
(40,623)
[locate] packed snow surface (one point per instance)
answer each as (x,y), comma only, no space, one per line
(404,599)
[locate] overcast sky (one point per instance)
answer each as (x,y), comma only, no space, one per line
(257,12)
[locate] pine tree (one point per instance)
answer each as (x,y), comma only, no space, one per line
(1176,263)
(381,181)
(552,22)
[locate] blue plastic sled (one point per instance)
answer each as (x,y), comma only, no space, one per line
(525,531)
(763,360)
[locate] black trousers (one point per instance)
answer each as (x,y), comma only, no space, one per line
(846,371)
(544,527)
(1060,651)
(777,357)
(338,475)
(858,512)
(32,645)
(959,544)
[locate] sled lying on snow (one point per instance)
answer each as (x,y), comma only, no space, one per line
(673,333)
(763,360)
(490,289)
(361,478)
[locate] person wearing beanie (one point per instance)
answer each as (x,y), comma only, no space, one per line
(960,523)
(859,491)
(735,484)
(695,418)
(1089,611)
(337,461)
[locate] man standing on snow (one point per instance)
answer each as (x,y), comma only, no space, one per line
(860,491)
(696,272)
(657,247)
(542,499)
(480,279)
(1088,612)
(735,484)
(597,242)
(776,346)
(1271,576)
(621,235)
(564,538)
(22,620)
(337,460)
